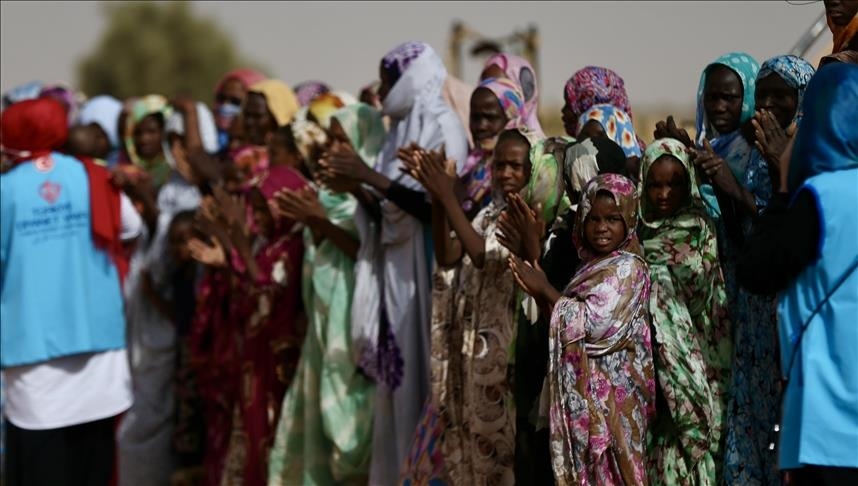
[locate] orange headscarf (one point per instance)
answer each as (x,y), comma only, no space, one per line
(843,35)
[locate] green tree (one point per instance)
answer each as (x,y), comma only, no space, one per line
(157,47)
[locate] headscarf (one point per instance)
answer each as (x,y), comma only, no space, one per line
(583,161)
(732,147)
(32,129)
(520,71)
(68,97)
(595,85)
(248,77)
(675,148)
(626,198)
(362,124)
(26,91)
(617,125)
(205,124)
(397,61)
(842,35)
(275,179)
(279,98)
(104,111)
(417,110)
(795,71)
(148,105)
(545,186)
(457,95)
(476,173)
(308,135)
(309,90)
(828,138)
(324,105)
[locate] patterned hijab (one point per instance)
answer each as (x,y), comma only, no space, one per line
(626,198)
(617,125)
(545,186)
(732,147)
(595,85)
(674,148)
(510,97)
(397,61)
(795,71)
(324,106)
(519,70)
(309,90)
(158,168)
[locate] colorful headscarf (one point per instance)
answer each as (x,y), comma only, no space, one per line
(397,60)
(617,125)
(158,168)
(510,97)
(520,71)
(674,148)
(625,196)
(33,128)
(545,186)
(248,77)
(309,90)
(795,71)
(595,85)
(362,124)
(308,136)
(104,111)
(326,104)
(279,98)
(827,140)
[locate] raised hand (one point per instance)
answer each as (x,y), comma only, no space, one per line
(771,139)
(212,255)
(519,218)
(532,279)
(435,174)
(302,205)
(668,129)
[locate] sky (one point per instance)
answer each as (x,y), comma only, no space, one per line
(659,48)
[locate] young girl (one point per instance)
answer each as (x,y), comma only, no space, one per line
(473,325)
(688,306)
(601,382)
(325,431)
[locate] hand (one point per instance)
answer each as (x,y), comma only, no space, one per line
(668,129)
(184,104)
(529,277)
(437,176)
(343,161)
(522,229)
(232,210)
(211,255)
(771,139)
(713,166)
(406,155)
(302,205)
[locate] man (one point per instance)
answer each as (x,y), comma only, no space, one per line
(62,329)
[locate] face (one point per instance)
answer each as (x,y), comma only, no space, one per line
(666,186)
(722,99)
(101,142)
(179,236)
(604,227)
(841,11)
(385,86)
(592,129)
(279,153)
(511,166)
(231,92)
(775,95)
(81,141)
(257,120)
(262,218)
(147,137)
(487,116)
(569,119)
(493,71)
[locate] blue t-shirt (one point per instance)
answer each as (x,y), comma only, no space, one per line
(59,294)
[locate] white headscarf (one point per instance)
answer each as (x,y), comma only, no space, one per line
(205,123)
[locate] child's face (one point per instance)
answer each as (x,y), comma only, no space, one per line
(604,227)
(592,129)
(262,218)
(666,186)
(179,236)
(147,137)
(511,166)
(487,118)
(279,154)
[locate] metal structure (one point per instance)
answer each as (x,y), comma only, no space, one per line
(811,35)
(524,43)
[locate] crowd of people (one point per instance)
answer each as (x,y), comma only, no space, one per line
(416,285)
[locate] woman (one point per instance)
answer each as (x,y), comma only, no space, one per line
(519,70)
(395,319)
(229,95)
(325,430)
(842,18)
(755,398)
(600,384)
(270,104)
(144,135)
(588,87)
(102,114)
(689,315)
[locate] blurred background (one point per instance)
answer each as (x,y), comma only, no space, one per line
(659,48)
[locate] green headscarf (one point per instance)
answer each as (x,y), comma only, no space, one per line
(157,168)
(655,150)
(546,180)
(362,124)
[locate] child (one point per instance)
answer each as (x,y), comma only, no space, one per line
(474,324)
(601,383)
(688,306)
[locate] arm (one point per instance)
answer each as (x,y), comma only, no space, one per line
(448,251)
(322,228)
(411,201)
(782,242)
